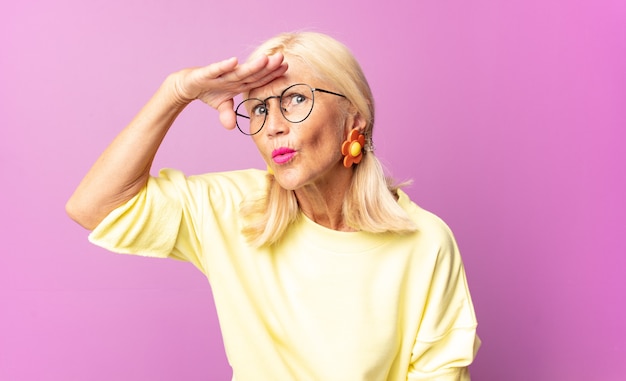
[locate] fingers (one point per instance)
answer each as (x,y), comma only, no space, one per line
(230,76)
(262,63)
(256,72)
(219,68)
(227,115)
(267,76)
(230,70)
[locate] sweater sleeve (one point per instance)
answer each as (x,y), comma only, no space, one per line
(160,221)
(446,341)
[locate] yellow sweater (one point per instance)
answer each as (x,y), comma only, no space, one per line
(322,305)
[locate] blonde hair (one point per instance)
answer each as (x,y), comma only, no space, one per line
(370,204)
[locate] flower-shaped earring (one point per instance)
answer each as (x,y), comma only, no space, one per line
(352,148)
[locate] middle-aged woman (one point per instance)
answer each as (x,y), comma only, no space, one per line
(321,268)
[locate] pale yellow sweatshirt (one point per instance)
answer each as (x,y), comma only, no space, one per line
(321,305)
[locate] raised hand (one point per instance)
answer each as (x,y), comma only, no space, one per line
(217,84)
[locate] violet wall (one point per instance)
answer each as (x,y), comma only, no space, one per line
(509,116)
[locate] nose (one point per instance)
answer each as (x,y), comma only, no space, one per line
(275,122)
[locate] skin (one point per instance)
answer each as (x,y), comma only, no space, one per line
(315,173)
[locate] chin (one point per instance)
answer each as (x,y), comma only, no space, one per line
(288,185)
(289,181)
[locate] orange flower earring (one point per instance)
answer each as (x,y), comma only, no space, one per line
(352,148)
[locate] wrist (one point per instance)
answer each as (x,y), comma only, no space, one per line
(175,92)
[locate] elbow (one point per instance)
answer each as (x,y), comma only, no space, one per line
(81,215)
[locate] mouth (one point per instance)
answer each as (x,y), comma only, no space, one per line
(282,155)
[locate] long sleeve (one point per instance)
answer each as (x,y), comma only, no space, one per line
(446,341)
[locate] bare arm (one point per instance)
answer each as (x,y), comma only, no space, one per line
(123,169)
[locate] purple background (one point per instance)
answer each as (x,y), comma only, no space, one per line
(509,116)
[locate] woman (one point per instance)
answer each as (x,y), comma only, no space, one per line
(320,268)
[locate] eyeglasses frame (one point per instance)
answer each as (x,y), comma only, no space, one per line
(279,97)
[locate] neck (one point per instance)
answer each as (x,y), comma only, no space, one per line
(323,203)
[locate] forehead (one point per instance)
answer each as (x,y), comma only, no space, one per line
(298,72)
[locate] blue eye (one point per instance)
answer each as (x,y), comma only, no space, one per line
(298,98)
(259,110)
(294,99)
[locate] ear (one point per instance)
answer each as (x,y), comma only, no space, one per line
(357,121)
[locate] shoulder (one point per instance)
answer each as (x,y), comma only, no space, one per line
(248,179)
(434,241)
(428,224)
(231,186)
(244,178)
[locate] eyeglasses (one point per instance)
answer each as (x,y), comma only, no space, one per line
(296,104)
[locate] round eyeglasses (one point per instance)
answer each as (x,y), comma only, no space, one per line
(296,104)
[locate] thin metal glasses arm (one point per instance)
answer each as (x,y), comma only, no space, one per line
(328,92)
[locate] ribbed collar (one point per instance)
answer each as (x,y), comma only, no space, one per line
(340,242)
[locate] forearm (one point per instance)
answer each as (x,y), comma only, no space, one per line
(123,169)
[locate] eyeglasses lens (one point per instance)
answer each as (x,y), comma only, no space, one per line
(296,104)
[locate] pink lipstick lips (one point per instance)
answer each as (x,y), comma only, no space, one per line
(282,155)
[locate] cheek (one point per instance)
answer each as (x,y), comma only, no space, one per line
(257,144)
(328,145)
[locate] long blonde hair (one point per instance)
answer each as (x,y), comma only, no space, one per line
(370,204)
